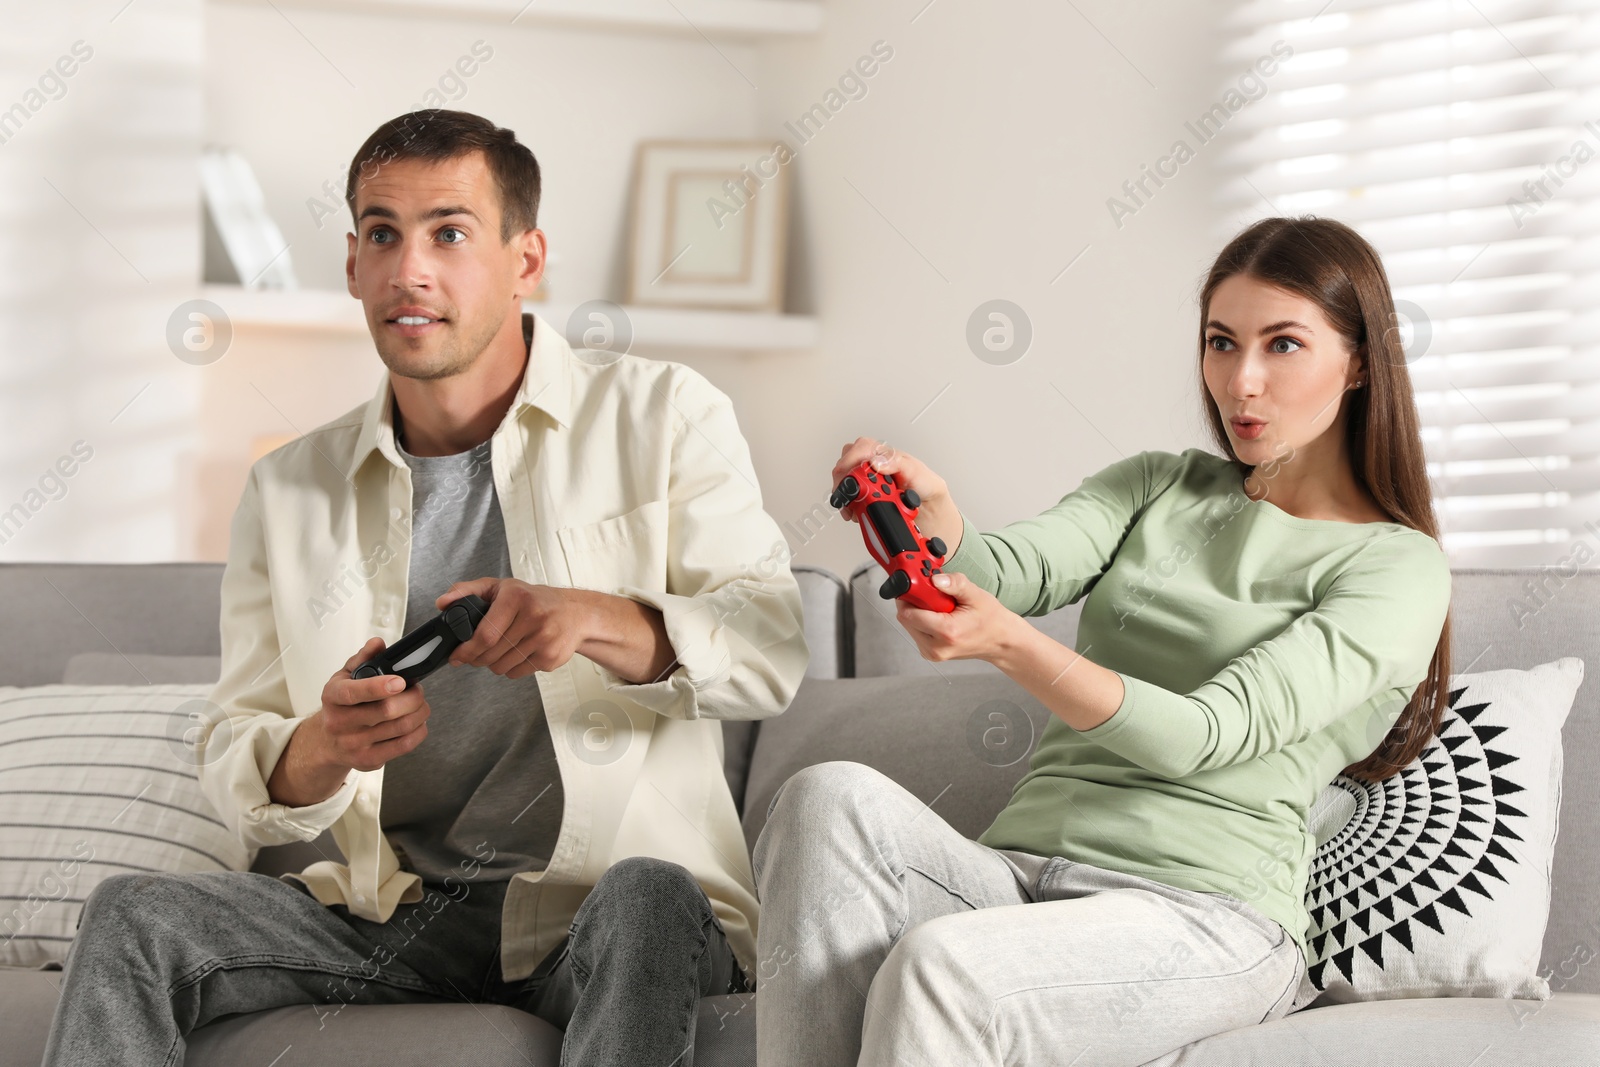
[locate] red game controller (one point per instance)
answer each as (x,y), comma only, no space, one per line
(888,516)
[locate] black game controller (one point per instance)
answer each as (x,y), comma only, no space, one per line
(428,647)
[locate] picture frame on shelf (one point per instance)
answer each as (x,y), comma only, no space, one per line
(709,224)
(244,243)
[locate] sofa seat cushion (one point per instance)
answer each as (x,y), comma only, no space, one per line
(1433,1032)
(470,1035)
(439,1033)
(360,1035)
(27,1003)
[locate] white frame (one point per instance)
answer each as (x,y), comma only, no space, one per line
(653,277)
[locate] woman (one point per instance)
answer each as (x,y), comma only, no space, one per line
(1254,625)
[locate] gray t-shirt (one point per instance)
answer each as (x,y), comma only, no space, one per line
(485,778)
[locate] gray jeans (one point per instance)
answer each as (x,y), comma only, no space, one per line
(157,956)
(886,937)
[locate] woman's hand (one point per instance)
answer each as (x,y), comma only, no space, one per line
(980,627)
(937,516)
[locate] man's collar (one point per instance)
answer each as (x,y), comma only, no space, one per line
(546,385)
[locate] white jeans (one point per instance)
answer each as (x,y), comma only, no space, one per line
(886,937)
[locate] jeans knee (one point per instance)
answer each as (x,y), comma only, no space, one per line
(644,885)
(927,958)
(818,811)
(119,898)
(817,791)
(640,904)
(135,909)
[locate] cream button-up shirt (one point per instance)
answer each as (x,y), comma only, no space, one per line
(614,473)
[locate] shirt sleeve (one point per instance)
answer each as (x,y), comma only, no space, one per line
(1034,566)
(1370,637)
(732,606)
(250,718)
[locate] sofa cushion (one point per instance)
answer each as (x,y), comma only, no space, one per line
(136,668)
(483,1035)
(825,612)
(1515,618)
(166,608)
(959,743)
(1436,881)
(28,1000)
(1441,1032)
(98,780)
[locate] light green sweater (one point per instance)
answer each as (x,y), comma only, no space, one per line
(1261,654)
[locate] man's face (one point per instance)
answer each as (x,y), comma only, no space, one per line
(427,247)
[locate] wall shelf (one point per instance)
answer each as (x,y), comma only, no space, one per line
(712,18)
(332,312)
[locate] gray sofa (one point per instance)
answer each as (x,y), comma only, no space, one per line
(871,698)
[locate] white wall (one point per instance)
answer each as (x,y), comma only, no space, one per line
(99,244)
(977,167)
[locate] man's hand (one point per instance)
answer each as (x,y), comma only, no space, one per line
(528,628)
(363,723)
(980,627)
(540,627)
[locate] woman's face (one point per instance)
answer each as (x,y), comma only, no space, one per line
(1272,356)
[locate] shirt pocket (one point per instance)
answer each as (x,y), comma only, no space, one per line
(630,549)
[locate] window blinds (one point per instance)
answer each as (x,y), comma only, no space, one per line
(1462,139)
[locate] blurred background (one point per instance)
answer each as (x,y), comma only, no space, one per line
(989,251)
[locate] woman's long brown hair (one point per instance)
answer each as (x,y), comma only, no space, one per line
(1331,265)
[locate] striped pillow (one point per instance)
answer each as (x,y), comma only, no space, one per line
(96,780)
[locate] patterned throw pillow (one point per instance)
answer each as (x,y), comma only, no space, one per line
(1436,881)
(97,780)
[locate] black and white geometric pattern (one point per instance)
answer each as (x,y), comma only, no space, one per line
(1423,847)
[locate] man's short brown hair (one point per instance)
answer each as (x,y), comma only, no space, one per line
(438,134)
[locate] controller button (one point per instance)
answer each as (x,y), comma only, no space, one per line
(897,584)
(936,546)
(460,623)
(847,491)
(872,476)
(913,501)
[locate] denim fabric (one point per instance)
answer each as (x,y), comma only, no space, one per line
(157,956)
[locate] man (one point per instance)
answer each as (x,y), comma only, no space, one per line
(544,822)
